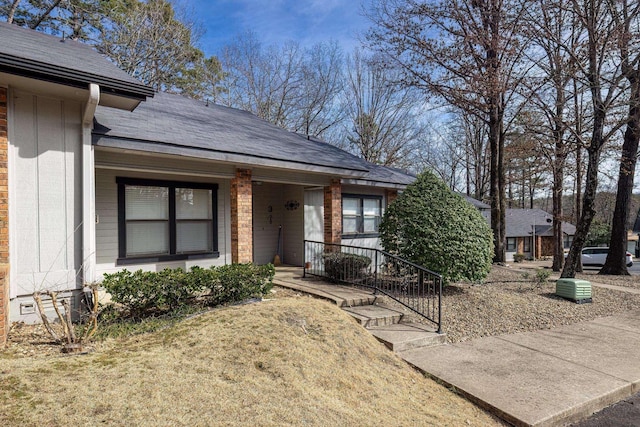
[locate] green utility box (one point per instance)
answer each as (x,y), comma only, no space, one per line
(574,289)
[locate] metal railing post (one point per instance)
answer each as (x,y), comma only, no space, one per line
(304,259)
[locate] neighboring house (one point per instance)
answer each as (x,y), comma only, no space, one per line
(523,227)
(99,173)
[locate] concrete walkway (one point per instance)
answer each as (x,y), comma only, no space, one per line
(542,378)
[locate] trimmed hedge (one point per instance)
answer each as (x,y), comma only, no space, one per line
(144,292)
(339,266)
(430,225)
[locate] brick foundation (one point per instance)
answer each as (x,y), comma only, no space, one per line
(241,217)
(333,212)
(4,220)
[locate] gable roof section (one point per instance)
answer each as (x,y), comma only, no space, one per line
(173,124)
(475,202)
(520,222)
(44,57)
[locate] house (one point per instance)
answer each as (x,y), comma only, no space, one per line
(99,173)
(524,226)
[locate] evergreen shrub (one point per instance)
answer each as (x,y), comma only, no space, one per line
(432,226)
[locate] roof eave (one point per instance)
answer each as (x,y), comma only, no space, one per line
(68,77)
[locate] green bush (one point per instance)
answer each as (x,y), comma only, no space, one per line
(144,293)
(236,282)
(518,257)
(430,225)
(339,266)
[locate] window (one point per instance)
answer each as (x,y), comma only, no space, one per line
(527,244)
(511,243)
(361,215)
(568,241)
(165,220)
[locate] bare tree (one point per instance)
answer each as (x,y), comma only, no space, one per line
(382,125)
(321,83)
(554,31)
(626,15)
(604,79)
(289,86)
(265,82)
(467,53)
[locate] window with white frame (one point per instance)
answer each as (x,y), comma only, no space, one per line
(166,220)
(361,215)
(511,243)
(527,244)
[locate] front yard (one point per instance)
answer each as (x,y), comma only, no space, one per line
(292,360)
(508,302)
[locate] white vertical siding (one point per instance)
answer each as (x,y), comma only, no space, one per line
(107,226)
(268,211)
(314,215)
(45,200)
(294,225)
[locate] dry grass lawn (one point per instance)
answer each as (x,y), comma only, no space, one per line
(288,361)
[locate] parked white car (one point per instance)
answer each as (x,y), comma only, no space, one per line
(596,256)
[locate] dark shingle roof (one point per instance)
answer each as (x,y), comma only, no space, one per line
(173,124)
(45,57)
(520,222)
(475,202)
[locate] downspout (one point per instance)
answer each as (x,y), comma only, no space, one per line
(88,188)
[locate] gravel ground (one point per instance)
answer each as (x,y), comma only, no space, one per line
(624,281)
(509,303)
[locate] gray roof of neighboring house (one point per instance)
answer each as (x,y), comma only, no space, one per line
(44,57)
(475,202)
(520,222)
(173,124)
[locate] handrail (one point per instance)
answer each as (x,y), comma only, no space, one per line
(412,285)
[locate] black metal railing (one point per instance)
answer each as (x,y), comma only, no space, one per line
(413,286)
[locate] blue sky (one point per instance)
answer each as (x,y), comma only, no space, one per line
(277,21)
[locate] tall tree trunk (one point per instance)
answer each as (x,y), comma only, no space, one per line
(497,184)
(616,258)
(558,178)
(573,262)
(578,195)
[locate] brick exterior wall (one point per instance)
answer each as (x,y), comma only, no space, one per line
(4,220)
(333,212)
(545,246)
(241,217)
(391,196)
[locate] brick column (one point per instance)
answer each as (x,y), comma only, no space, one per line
(241,217)
(4,220)
(333,212)
(391,196)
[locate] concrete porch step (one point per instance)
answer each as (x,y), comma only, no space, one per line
(374,315)
(407,336)
(342,296)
